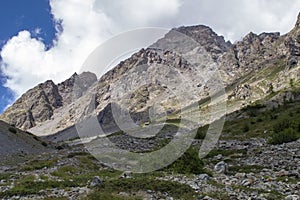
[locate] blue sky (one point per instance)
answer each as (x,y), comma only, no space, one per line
(15,16)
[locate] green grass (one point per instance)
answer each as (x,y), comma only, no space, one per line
(69,176)
(66,171)
(102,195)
(113,184)
(39,164)
(285,136)
(225,152)
(289,180)
(85,168)
(28,186)
(5,176)
(84,171)
(259,122)
(201,132)
(268,194)
(188,163)
(78,153)
(245,169)
(144,183)
(55,198)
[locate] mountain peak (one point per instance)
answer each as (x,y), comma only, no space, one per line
(74,75)
(201,34)
(194,28)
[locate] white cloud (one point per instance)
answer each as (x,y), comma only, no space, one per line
(133,13)
(87,23)
(235,18)
(27,62)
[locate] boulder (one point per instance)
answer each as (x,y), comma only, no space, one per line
(96,182)
(221,167)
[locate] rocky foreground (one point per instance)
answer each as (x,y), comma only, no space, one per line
(250,169)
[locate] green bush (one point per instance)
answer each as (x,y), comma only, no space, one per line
(79,153)
(12,130)
(65,171)
(39,164)
(201,133)
(28,186)
(44,144)
(188,163)
(246,128)
(282,125)
(285,136)
(36,138)
(100,195)
(225,152)
(143,183)
(259,120)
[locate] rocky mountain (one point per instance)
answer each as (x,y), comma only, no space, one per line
(169,86)
(38,104)
(251,69)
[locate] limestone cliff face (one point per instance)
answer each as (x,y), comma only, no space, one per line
(82,82)
(256,51)
(38,104)
(251,69)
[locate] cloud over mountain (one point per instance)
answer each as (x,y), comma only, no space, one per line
(83,25)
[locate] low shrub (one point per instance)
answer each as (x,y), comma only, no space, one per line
(285,136)
(12,130)
(246,128)
(188,163)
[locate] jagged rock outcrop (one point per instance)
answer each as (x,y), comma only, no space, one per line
(206,37)
(249,54)
(34,106)
(241,92)
(38,104)
(82,82)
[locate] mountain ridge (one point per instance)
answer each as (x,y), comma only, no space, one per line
(168,90)
(273,55)
(38,104)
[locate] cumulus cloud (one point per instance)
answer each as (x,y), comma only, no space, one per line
(134,13)
(235,18)
(84,24)
(81,27)
(26,60)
